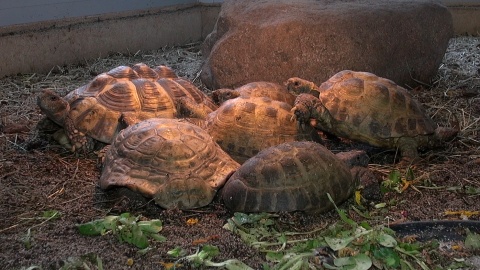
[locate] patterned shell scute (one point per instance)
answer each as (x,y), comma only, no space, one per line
(154,98)
(374,105)
(244,126)
(121,96)
(144,71)
(293,176)
(173,161)
(118,74)
(267,89)
(183,88)
(123,72)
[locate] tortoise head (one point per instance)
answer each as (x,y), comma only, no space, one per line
(299,86)
(54,106)
(368,182)
(221,95)
(354,158)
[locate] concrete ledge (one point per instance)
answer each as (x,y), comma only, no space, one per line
(38,47)
(466,16)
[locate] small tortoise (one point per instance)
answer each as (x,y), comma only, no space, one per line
(244,126)
(296,176)
(255,89)
(171,160)
(121,97)
(364,107)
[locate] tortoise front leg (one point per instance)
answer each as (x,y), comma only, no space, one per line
(408,149)
(307,109)
(61,137)
(187,108)
(101,156)
(78,140)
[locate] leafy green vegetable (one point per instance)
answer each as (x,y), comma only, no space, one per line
(27,239)
(87,261)
(51,214)
(343,245)
(472,241)
(126,228)
(204,256)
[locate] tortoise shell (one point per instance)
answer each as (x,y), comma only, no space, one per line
(121,97)
(293,176)
(255,89)
(121,73)
(244,126)
(171,160)
(373,108)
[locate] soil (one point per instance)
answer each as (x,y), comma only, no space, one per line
(38,175)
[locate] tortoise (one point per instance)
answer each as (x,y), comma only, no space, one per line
(243,126)
(170,160)
(296,176)
(118,98)
(364,107)
(255,89)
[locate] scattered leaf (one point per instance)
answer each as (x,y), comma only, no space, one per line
(472,190)
(472,241)
(177,252)
(151,226)
(386,240)
(192,221)
(204,240)
(27,239)
(462,213)
(388,256)
(51,214)
(358,197)
(170,265)
(357,262)
(380,205)
(126,228)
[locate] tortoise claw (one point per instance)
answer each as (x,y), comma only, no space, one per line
(294,116)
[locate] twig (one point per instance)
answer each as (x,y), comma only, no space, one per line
(8,228)
(9,173)
(76,170)
(74,199)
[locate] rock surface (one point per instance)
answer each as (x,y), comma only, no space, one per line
(273,40)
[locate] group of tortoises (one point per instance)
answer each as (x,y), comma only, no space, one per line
(258,143)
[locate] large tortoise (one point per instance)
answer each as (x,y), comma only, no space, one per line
(271,90)
(244,126)
(171,160)
(121,97)
(364,107)
(296,176)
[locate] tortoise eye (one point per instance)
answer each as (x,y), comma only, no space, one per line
(296,83)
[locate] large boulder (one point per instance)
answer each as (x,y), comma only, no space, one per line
(273,40)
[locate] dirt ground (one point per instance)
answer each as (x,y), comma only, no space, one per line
(37,175)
